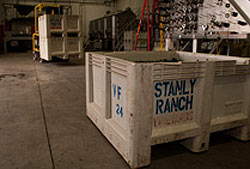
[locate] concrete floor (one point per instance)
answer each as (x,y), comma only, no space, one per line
(43,125)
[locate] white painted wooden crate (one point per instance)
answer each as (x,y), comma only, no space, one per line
(140,104)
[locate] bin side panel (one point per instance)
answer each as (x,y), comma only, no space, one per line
(228,96)
(243,133)
(106,87)
(72,22)
(177,101)
(44,48)
(55,22)
(98,81)
(73,44)
(119,99)
(56,44)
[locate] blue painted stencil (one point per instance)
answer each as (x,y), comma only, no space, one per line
(117,93)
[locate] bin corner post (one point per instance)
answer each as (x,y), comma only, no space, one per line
(141,117)
(200,143)
(243,133)
(107,89)
(89,80)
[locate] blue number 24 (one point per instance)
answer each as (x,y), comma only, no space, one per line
(119,110)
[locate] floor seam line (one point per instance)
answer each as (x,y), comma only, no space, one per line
(44,118)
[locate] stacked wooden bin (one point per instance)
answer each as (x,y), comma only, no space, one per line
(60,36)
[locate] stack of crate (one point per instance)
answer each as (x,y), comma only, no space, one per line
(129,41)
(59,36)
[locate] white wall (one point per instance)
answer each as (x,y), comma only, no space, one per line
(123,4)
(88,13)
(135,5)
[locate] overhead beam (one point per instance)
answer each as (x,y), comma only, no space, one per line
(31,2)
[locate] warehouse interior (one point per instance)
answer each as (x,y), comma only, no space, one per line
(119,84)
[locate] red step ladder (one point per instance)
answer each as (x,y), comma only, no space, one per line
(150,27)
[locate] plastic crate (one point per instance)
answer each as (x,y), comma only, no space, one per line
(137,100)
(74,46)
(51,47)
(48,24)
(72,23)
